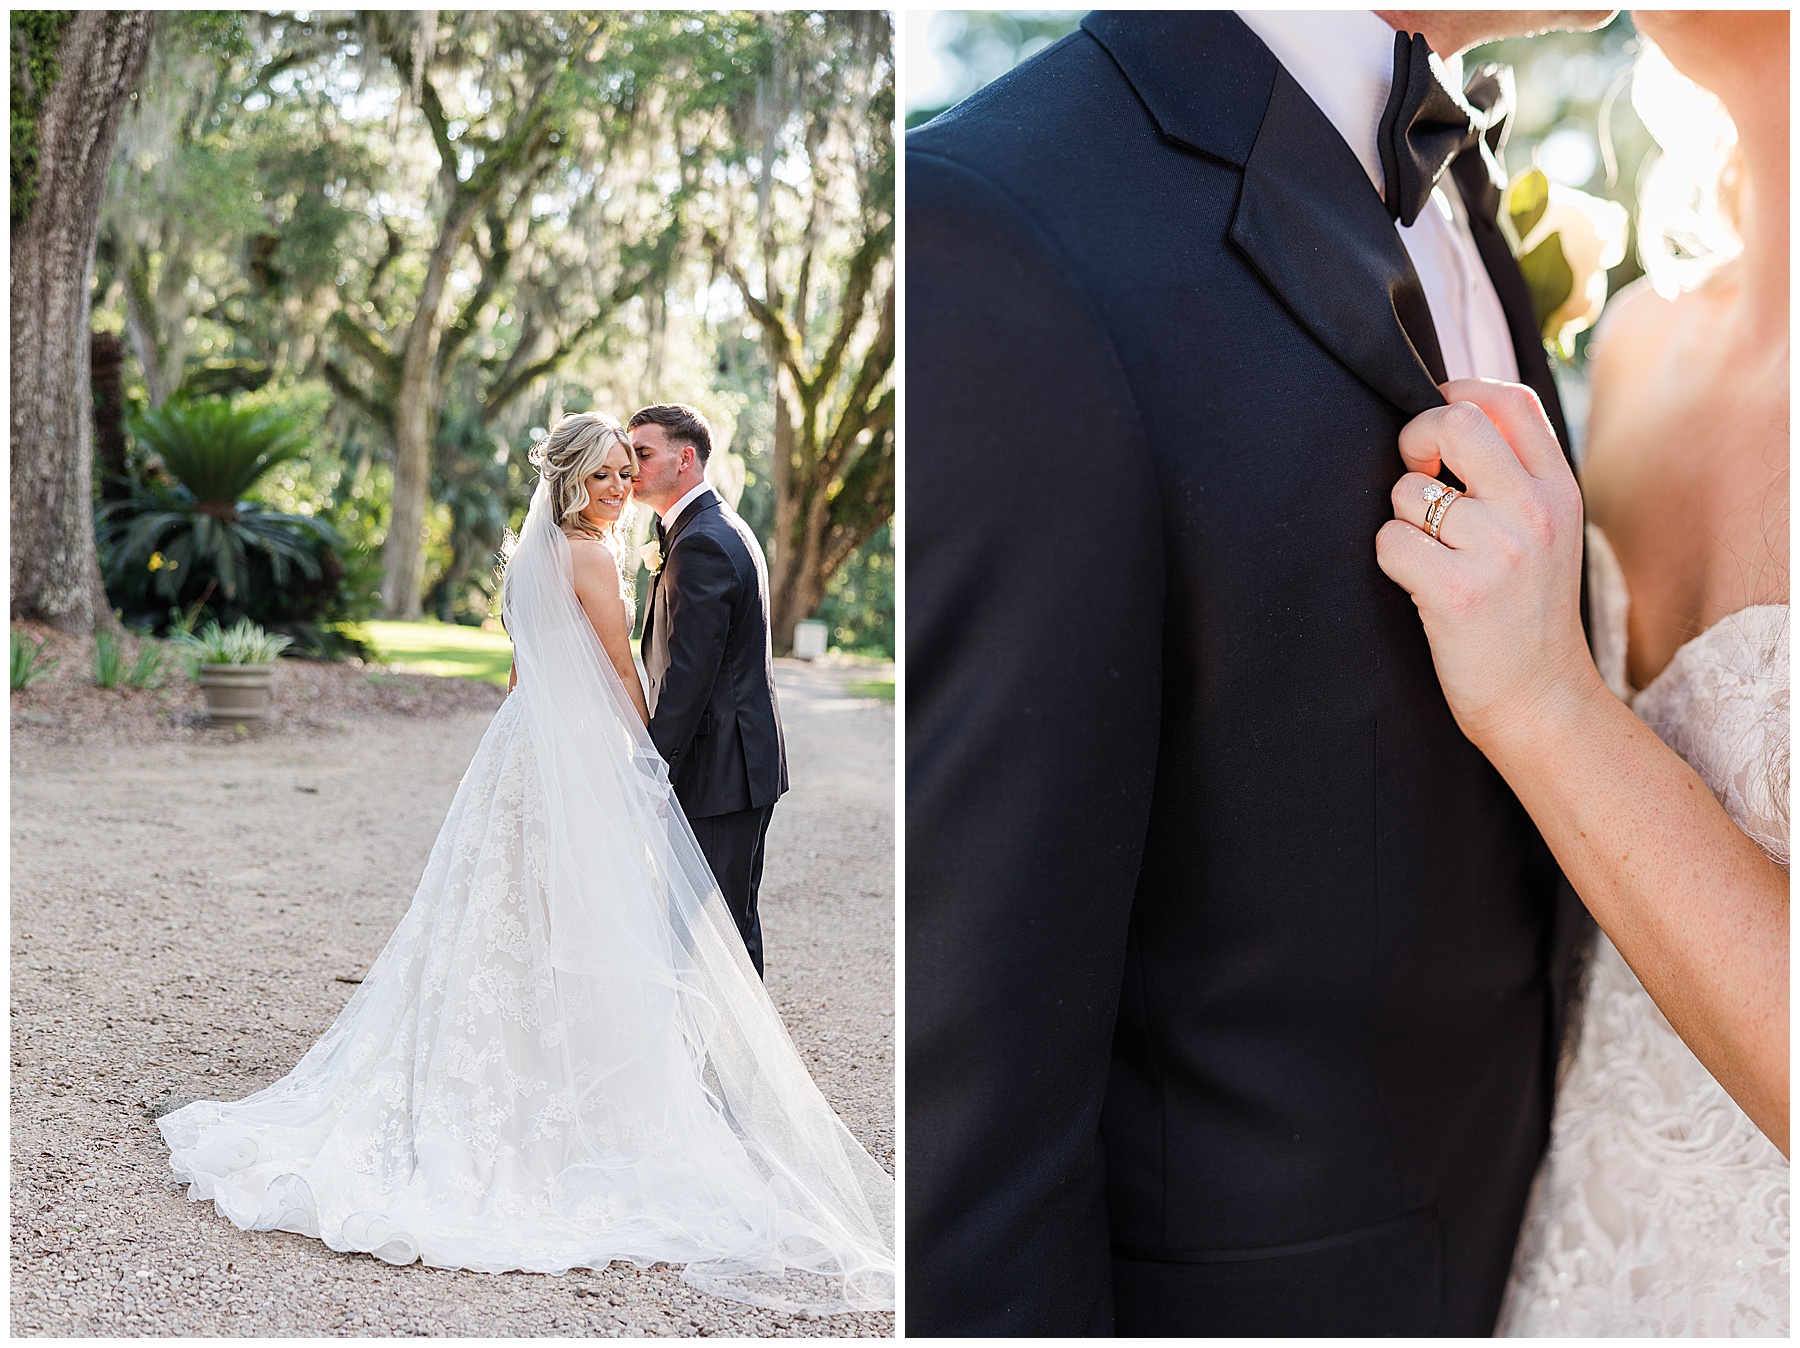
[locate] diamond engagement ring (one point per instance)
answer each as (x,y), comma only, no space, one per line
(1438,500)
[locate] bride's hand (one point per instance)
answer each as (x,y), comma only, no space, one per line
(1499,590)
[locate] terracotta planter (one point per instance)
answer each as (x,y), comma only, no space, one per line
(236,694)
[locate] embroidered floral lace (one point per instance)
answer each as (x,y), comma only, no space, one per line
(563,1056)
(1659,1209)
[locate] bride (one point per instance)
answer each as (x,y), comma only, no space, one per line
(563,1056)
(1662,1206)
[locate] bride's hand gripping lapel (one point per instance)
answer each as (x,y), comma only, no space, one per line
(1495,572)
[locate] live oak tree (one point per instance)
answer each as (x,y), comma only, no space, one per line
(72,76)
(529,213)
(254,210)
(812,260)
(521,173)
(195,172)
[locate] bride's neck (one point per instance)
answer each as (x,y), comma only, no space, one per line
(1763,144)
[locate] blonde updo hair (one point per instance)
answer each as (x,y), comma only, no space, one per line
(573,451)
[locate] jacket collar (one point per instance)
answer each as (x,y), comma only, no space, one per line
(1308,221)
(1203,75)
(700,505)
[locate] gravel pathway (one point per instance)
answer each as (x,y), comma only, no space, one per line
(183,912)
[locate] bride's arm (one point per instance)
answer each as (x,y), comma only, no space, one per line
(1694,906)
(597,587)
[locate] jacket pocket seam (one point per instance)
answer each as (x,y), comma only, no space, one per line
(1250,1254)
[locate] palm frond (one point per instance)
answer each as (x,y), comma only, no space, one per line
(216,449)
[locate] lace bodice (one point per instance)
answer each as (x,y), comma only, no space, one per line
(1660,1209)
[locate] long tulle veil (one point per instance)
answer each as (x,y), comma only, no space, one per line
(631,915)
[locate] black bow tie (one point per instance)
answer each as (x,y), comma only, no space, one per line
(1427,124)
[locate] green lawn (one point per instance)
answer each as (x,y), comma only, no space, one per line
(453,651)
(432,647)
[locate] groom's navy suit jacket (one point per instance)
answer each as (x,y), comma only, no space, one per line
(1233,969)
(712,680)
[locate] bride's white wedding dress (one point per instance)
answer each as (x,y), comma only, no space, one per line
(563,1056)
(1660,1210)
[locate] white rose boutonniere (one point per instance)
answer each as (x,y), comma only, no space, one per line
(651,556)
(1566,241)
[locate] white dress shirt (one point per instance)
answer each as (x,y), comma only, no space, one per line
(673,513)
(1344,60)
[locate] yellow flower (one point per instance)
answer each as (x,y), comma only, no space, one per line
(156,561)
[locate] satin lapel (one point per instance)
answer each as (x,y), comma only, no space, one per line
(1309,221)
(1478,196)
(1311,224)
(700,505)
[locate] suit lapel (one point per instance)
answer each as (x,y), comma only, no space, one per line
(708,500)
(1308,221)
(646,643)
(1311,224)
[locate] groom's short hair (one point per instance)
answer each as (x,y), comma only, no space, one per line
(682,424)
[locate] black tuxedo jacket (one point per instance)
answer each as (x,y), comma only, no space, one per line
(712,678)
(1233,969)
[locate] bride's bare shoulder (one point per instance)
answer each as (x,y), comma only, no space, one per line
(1638,373)
(1635,323)
(587,551)
(594,565)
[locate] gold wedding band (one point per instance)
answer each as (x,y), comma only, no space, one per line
(1438,500)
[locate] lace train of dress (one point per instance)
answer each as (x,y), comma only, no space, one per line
(562,1056)
(1660,1209)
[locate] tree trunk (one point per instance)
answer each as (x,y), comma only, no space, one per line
(55,571)
(155,317)
(814,455)
(801,584)
(107,361)
(403,557)
(140,326)
(784,457)
(811,529)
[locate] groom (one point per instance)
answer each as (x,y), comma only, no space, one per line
(1234,972)
(706,650)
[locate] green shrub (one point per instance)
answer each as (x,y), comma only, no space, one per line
(185,538)
(149,669)
(109,660)
(858,607)
(144,670)
(243,643)
(163,542)
(217,449)
(28,664)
